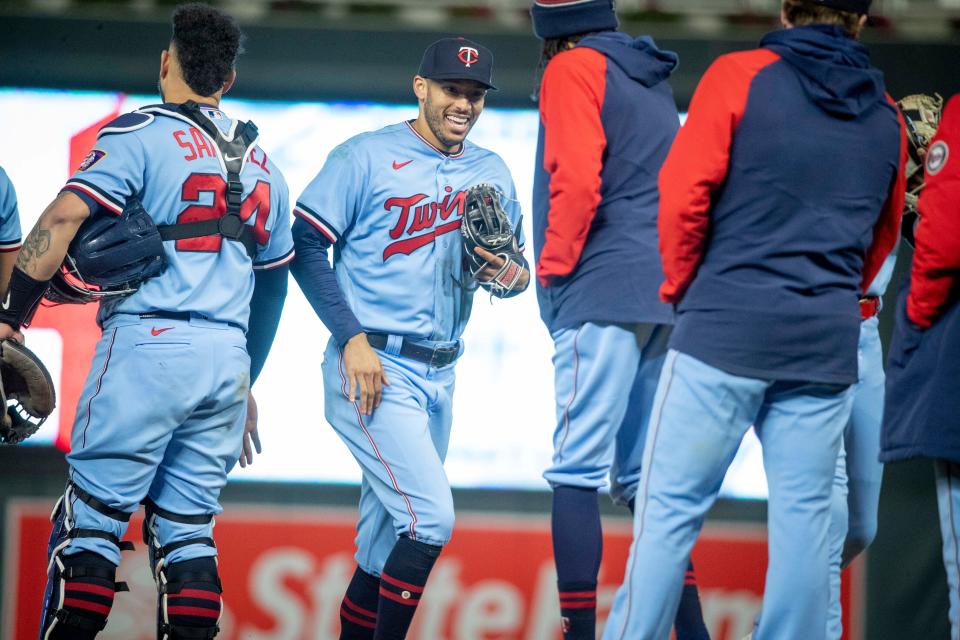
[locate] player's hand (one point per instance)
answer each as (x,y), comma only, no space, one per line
(251,438)
(365,373)
(9,333)
(494,264)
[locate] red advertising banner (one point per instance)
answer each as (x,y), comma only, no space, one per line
(285,570)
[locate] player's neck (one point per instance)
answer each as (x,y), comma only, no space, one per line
(178,95)
(420,126)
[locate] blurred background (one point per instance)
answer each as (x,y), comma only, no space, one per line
(314,73)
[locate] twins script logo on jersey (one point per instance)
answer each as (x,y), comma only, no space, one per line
(418,220)
(468,55)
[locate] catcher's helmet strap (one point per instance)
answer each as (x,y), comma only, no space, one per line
(234,153)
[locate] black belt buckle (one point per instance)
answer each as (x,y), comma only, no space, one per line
(442,356)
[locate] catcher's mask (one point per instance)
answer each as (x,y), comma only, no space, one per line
(109,256)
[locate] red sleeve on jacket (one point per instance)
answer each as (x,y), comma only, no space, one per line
(886,231)
(936,259)
(697,165)
(571,97)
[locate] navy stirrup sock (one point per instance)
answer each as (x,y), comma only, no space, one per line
(689,623)
(401,586)
(577,550)
(358,611)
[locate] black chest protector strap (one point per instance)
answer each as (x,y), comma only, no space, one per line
(233,152)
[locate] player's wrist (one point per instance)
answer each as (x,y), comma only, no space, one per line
(22,299)
(356,340)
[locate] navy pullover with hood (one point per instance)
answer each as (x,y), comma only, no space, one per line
(779,201)
(607,119)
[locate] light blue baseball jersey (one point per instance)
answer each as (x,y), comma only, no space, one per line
(176,170)
(391,204)
(9,215)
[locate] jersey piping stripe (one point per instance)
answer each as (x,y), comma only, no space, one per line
(101,198)
(6,247)
(463,145)
(106,363)
(645,484)
(323,227)
(273,264)
(573,395)
(376,450)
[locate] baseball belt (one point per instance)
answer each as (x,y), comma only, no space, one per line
(869,307)
(439,356)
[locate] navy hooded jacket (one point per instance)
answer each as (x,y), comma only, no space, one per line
(780,200)
(607,119)
(921,414)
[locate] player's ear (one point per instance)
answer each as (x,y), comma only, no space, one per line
(164,63)
(229,81)
(420,87)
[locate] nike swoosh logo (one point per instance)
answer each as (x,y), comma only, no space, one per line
(229,159)
(157,332)
(401,165)
(6,302)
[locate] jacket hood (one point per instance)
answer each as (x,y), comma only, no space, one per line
(639,58)
(833,68)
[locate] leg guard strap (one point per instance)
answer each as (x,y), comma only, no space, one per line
(123,545)
(98,505)
(152,508)
(151,527)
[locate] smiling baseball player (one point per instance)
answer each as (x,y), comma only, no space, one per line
(390,202)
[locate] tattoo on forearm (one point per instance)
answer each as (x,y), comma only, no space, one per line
(36,244)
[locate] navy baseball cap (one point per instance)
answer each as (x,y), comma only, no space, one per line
(560,18)
(457,59)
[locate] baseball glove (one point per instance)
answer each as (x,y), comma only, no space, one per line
(26,391)
(921,113)
(485,224)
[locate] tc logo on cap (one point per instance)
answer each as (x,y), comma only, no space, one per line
(468,55)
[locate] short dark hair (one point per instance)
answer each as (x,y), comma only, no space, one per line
(208,42)
(800,13)
(549,49)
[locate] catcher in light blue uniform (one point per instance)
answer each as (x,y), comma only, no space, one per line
(161,416)
(9,228)
(390,202)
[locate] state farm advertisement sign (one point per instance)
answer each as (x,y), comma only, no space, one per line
(285,570)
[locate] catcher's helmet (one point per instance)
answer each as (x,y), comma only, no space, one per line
(109,256)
